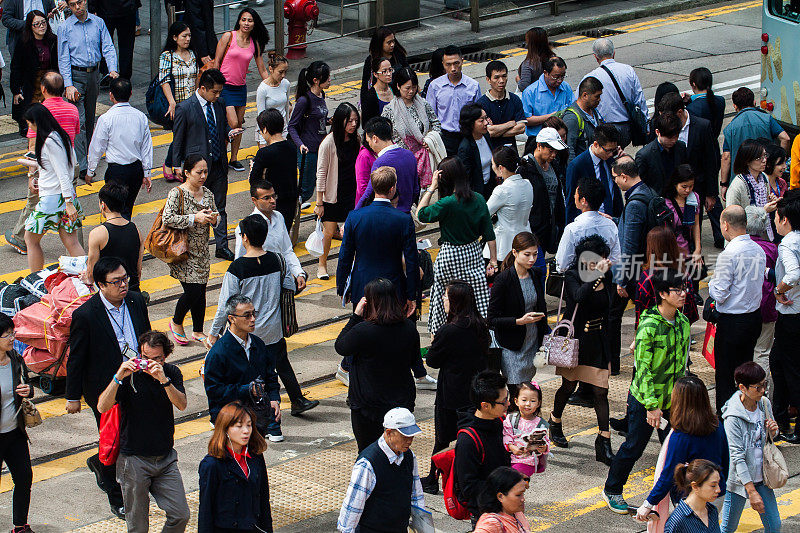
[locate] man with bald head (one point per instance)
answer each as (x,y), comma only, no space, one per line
(736,289)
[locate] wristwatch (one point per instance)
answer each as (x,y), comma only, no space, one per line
(167,383)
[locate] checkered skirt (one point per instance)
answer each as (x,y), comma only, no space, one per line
(457,261)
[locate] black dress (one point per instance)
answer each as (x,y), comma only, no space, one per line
(346,186)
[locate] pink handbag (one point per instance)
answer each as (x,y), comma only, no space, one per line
(562,350)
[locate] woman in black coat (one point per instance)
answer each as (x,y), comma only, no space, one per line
(384,346)
(517,310)
(382,44)
(475,150)
(590,287)
(234,489)
(35,54)
(459,349)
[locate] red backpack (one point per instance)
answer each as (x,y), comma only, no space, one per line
(444,462)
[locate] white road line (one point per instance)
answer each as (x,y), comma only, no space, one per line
(735,84)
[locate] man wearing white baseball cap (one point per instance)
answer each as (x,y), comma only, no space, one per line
(385,481)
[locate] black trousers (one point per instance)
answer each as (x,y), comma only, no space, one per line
(193,299)
(451,140)
(217,183)
(109,472)
(713,218)
(285,371)
(125,27)
(288,210)
(784,365)
(445,431)
(129,176)
(734,344)
(15,454)
(365,429)
(618,305)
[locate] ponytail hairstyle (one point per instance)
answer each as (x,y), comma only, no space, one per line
(507,157)
(522,241)
(274,59)
(703,79)
(464,310)
(317,70)
(697,471)
(259,34)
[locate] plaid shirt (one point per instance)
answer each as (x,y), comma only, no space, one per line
(185,74)
(660,358)
(362,483)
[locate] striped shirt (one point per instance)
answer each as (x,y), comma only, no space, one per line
(684,520)
(65,113)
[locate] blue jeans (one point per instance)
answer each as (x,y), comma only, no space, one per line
(308,178)
(734,505)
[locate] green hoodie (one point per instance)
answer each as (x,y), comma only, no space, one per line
(660,358)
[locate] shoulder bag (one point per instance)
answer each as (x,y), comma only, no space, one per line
(154,100)
(774,468)
(30,414)
(208,65)
(168,244)
(637,120)
(288,309)
(562,350)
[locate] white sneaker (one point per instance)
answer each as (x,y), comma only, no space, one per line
(305,205)
(275,438)
(426,383)
(343,376)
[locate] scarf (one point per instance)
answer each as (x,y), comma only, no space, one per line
(761,188)
(404,124)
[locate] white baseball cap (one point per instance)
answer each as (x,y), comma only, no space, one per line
(550,137)
(402,420)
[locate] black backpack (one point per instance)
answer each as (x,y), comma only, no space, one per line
(658,213)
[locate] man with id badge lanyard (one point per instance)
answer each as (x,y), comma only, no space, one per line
(103,334)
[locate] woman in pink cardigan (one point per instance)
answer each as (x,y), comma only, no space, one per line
(336,176)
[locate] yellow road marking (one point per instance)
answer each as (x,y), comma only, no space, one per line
(788,506)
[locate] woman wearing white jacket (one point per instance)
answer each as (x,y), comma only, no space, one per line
(58,208)
(511,201)
(748,418)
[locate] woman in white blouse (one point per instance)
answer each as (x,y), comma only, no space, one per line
(58,208)
(273,92)
(511,200)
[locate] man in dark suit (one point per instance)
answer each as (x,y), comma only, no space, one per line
(596,162)
(201,127)
(14,14)
(660,157)
(104,333)
(703,156)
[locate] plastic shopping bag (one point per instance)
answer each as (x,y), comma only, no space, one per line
(314,242)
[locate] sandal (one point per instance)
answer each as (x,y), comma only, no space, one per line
(179,339)
(201,338)
(169,176)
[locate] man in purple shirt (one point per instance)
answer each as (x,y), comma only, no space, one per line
(448,94)
(378,131)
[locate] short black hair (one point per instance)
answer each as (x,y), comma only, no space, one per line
(210,78)
(6,324)
(749,374)
(789,207)
(121,89)
(627,166)
(104,267)
(591,190)
(155,339)
(671,103)
(664,280)
(486,387)
(743,97)
(469,114)
(255,228)
(451,50)
(380,127)
(775,156)
(500,481)
(591,243)
(590,85)
(667,124)
(606,133)
(495,66)
(264,185)
(270,120)
(114,196)
(552,63)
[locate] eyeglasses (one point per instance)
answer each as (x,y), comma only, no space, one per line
(248,315)
(119,282)
(273,196)
(385,71)
(679,290)
(608,150)
(40,24)
(9,335)
(557,78)
(761,387)
(505,401)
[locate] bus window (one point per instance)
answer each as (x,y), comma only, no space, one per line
(785,9)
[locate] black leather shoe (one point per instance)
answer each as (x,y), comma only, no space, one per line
(557,435)
(93,463)
(790,438)
(602,450)
(430,485)
(119,512)
(581,401)
(224,253)
(620,425)
(303,405)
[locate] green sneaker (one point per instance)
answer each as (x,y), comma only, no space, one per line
(616,503)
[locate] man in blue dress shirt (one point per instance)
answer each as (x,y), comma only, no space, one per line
(83,40)
(547,96)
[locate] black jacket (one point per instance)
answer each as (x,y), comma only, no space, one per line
(470,472)
(460,353)
(651,170)
(470,155)
(699,107)
(704,157)
(546,223)
(24,69)
(593,345)
(398,61)
(19,370)
(190,130)
(94,354)
(507,304)
(14,19)
(113,8)
(229,501)
(199,15)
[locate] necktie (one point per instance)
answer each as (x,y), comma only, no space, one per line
(212,133)
(608,206)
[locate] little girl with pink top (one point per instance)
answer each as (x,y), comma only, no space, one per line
(523,423)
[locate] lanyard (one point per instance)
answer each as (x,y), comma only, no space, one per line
(122,312)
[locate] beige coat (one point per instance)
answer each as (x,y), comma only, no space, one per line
(327,169)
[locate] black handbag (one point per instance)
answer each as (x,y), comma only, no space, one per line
(710,313)
(637,120)
(555,279)
(288,309)
(155,100)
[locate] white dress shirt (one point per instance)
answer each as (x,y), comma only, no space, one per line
(585,224)
(511,201)
(684,133)
(787,270)
(123,133)
(611,107)
(738,277)
(278,242)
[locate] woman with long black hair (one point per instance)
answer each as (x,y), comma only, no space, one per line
(704,102)
(460,350)
(58,208)
(309,123)
(475,150)
(383,44)
(336,176)
(539,51)
(248,40)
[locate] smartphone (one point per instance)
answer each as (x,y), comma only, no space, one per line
(662,424)
(30,155)
(537,313)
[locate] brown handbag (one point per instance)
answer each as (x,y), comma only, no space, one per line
(168,244)
(208,65)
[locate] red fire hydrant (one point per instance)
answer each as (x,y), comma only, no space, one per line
(299,12)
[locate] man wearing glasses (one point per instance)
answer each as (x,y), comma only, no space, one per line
(104,332)
(546,96)
(249,301)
